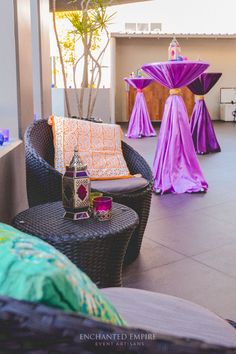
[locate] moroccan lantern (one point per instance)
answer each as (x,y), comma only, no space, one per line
(76,190)
(174,51)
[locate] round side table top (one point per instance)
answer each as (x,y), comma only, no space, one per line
(47,221)
(175,74)
(138,82)
(204,83)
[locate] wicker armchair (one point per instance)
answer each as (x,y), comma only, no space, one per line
(30,328)
(44,182)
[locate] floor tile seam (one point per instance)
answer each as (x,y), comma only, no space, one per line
(165,217)
(169,248)
(218,204)
(143,272)
(213,249)
(157,219)
(187,229)
(129,281)
(203,214)
(192,211)
(210,206)
(213,268)
(192,255)
(161,265)
(219,220)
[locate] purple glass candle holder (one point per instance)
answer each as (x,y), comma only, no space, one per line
(5,133)
(102,208)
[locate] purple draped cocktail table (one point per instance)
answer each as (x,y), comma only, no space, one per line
(201,126)
(176,168)
(140,124)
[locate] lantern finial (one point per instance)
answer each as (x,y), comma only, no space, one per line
(76,163)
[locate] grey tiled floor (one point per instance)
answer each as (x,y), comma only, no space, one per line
(189,247)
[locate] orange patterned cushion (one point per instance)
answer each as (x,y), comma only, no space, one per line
(99,147)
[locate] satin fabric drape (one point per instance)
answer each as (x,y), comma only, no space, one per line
(202,130)
(176,168)
(140,124)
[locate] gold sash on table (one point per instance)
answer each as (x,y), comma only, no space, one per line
(175,91)
(199,97)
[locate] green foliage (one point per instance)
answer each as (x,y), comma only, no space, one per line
(91,21)
(88,25)
(68,47)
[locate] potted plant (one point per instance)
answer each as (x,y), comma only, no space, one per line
(89,23)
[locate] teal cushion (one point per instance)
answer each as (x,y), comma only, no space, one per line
(32,270)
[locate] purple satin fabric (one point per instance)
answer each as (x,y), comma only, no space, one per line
(202,130)
(175,74)
(204,83)
(138,83)
(176,168)
(140,123)
(201,126)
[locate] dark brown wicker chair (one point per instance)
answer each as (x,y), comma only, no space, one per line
(31,328)
(44,182)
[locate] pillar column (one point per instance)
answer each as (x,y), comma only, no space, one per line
(23,45)
(40,23)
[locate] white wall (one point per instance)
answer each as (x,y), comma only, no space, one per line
(8,83)
(16,69)
(16,102)
(12,183)
(182,16)
(101,109)
(24,64)
(132,53)
(40,21)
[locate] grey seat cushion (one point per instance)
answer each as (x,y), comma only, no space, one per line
(117,186)
(170,315)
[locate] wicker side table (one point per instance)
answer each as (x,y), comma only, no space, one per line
(97,248)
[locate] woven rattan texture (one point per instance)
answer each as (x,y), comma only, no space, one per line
(44,182)
(29,328)
(98,248)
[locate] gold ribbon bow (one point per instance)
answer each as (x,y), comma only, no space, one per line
(175,91)
(199,97)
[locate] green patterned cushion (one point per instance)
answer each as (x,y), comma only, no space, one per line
(32,270)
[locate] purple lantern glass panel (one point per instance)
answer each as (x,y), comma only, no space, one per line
(82,192)
(201,126)
(176,168)
(140,123)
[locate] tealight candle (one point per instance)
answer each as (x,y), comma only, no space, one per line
(102,208)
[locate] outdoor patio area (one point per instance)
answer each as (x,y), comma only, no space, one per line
(190,242)
(117,177)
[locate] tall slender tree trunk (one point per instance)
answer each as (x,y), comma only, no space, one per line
(61,59)
(97,65)
(84,83)
(86,62)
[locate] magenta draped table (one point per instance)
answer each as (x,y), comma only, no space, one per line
(201,126)
(176,168)
(140,123)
